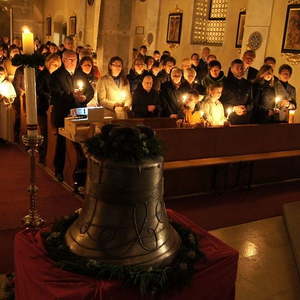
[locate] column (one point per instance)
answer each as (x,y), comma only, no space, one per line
(115,34)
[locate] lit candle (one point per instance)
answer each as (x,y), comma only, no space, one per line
(291,116)
(229,111)
(277,100)
(201,112)
(122,95)
(80,85)
(29,81)
(184,98)
(27,40)
(3,90)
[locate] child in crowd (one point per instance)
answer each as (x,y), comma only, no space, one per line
(211,106)
(192,113)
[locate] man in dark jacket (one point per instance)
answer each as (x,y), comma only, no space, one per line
(145,101)
(248,59)
(65,95)
(172,95)
(237,95)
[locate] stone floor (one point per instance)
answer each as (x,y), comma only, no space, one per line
(267,270)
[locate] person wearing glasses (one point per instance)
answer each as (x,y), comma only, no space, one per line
(114,90)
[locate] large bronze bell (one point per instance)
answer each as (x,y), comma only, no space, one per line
(124,220)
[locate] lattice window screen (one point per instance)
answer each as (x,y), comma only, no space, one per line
(209,20)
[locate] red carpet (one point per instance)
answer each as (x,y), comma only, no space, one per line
(209,211)
(53,199)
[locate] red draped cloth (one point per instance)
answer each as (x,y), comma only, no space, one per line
(37,278)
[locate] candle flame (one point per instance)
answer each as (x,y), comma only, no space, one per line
(184,98)
(229,111)
(277,99)
(80,84)
(26,29)
(123,95)
(201,113)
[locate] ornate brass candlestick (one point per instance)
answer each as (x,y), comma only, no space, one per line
(32,142)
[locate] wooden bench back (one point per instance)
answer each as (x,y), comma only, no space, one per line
(185,144)
(150,122)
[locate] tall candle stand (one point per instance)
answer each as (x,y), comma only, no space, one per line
(32,143)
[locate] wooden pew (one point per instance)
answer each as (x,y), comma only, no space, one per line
(192,155)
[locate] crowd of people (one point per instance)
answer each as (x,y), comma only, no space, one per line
(195,90)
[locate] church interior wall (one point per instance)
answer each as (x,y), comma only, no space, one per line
(226,53)
(60,11)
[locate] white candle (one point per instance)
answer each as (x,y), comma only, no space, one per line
(3,90)
(277,100)
(291,116)
(27,40)
(30,92)
(80,85)
(229,111)
(122,95)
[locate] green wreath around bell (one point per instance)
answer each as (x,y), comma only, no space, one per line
(151,281)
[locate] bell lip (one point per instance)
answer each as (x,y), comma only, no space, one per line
(89,155)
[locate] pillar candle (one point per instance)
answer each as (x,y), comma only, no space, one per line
(30,92)
(291,116)
(27,41)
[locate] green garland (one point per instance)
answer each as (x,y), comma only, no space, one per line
(33,61)
(124,143)
(152,281)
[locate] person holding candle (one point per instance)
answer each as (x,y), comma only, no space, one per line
(89,79)
(171,95)
(114,90)
(265,106)
(145,102)
(286,92)
(7,96)
(64,97)
(193,115)
(237,94)
(212,107)
(84,73)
